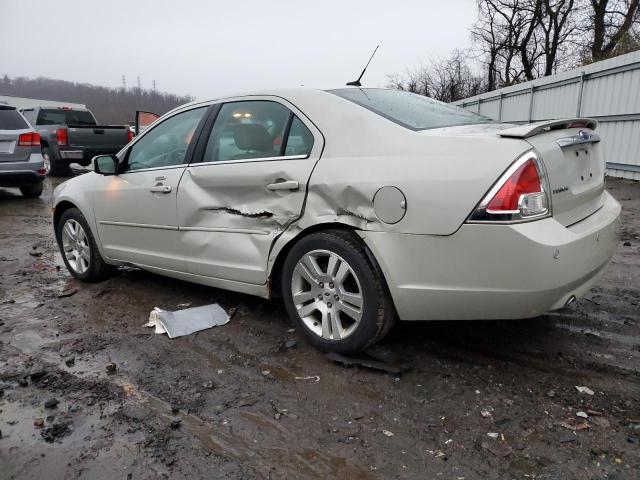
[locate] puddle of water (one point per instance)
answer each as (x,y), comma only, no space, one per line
(302,461)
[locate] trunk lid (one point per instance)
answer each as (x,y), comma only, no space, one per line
(572,155)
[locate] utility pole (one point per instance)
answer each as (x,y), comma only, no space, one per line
(139,87)
(124,82)
(154,85)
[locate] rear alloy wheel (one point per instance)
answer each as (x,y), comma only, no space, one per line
(335,294)
(31,191)
(46,158)
(55,167)
(78,248)
(327,294)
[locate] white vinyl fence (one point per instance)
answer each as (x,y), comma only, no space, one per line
(608,91)
(22,102)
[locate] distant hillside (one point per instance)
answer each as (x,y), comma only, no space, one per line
(110,105)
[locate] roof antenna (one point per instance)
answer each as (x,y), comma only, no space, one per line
(356,83)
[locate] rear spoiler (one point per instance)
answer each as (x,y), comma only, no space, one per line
(531,129)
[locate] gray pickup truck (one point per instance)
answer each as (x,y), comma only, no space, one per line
(71,135)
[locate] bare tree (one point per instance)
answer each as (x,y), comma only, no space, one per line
(447,80)
(110,105)
(612,25)
(520,40)
(558,25)
(523,39)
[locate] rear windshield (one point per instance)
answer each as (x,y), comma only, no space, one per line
(65,117)
(10,119)
(408,109)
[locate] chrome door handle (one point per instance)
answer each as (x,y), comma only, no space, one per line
(284,185)
(160,189)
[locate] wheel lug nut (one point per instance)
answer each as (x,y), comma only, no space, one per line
(321,285)
(329,305)
(320,297)
(331,285)
(336,298)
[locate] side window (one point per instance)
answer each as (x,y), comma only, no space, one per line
(300,140)
(244,130)
(29,115)
(166,144)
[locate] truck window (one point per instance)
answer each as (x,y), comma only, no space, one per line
(29,115)
(65,117)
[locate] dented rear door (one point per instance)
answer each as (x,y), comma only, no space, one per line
(247,183)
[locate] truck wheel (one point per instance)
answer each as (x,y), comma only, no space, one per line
(31,191)
(78,248)
(55,166)
(334,294)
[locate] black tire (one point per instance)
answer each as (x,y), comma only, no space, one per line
(57,167)
(97,268)
(31,191)
(377,312)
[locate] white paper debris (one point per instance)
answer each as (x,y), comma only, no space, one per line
(586,390)
(185,322)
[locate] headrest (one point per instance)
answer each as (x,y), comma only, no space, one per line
(252,137)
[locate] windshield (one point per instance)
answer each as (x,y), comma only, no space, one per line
(408,109)
(65,117)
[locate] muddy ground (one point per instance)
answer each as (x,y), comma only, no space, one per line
(233,402)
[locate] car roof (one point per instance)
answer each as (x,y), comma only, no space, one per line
(281,92)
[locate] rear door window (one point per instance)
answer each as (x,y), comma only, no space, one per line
(10,119)
(246,130)
(300,139)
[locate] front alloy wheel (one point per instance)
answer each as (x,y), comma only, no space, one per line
(75,246)
(78,247)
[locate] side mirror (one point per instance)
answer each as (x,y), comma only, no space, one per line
(105,164)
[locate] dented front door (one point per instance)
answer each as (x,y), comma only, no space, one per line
(247,187)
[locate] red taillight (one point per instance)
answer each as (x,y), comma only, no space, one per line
(129,135)
(62,136)
(523,181)
(31,139)
(519,195)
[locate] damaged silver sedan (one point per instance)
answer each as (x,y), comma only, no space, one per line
(357,206)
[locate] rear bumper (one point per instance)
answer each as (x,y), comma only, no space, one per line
(16,174)
(84,155)
(496,271)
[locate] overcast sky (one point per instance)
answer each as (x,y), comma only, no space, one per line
(208,48)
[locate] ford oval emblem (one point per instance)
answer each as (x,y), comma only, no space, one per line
(584,135)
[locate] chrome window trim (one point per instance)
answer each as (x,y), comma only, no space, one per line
(152,169)
(250,160)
